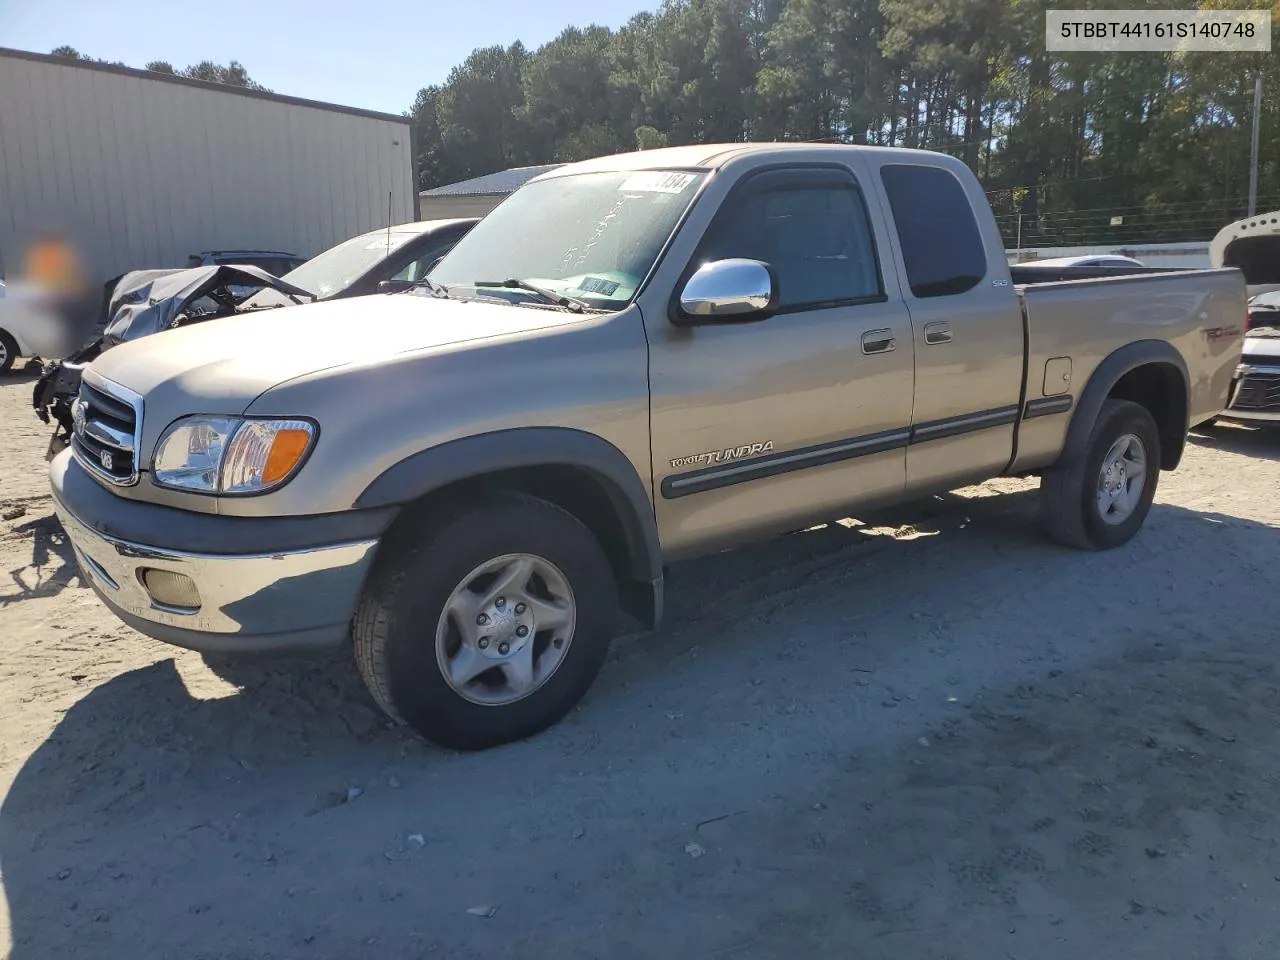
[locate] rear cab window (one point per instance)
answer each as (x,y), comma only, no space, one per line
(942,246)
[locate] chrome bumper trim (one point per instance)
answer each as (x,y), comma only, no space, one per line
(249,595)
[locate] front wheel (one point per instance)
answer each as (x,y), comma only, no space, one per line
(8,352)
(1102,499)
(488,625)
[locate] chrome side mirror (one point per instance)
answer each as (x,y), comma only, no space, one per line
(728,291)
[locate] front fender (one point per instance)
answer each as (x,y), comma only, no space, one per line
(489,453)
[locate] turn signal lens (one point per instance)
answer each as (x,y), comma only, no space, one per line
(287,449)
(264,454)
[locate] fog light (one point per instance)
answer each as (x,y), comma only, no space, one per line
(170,589)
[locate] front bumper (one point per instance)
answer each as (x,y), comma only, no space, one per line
(258,601)
(1255,392)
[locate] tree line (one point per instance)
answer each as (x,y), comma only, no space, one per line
(233,74)
(1072,148)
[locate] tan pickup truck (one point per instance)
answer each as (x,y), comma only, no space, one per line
(631,359)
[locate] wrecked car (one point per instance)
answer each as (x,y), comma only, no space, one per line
(386,260)
(146,302)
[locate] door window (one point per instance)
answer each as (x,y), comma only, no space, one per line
(814,233)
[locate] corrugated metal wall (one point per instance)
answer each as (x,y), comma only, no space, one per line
(447,208)
(142,172)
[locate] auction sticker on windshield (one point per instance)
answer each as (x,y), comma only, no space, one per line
(388,243)
(657,181)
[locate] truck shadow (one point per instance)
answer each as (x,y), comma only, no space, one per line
(52,567)
(1260,442)
(151,822)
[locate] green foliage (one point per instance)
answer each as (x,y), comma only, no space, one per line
(232,74)
(1063,143)
(647,138)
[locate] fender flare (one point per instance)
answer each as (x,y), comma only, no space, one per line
(487,453)
(1103,380)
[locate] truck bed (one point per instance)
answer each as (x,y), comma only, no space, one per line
(1075,317)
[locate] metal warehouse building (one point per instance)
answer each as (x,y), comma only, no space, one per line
(477,196)
(143,169)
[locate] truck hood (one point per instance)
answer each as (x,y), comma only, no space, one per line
(222,365)
(1262,343)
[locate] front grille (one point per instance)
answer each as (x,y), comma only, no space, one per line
(1258,392)
(108,427)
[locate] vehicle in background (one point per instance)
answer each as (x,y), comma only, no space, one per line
(1252,245)
(633,359)
(272,261)
(1264,310)
(1255,391)
(380,261)
(33,324)
(9,348)
(145,302)
(1089,260)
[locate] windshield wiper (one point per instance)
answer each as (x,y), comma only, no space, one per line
(559,299)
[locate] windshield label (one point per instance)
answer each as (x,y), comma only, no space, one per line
(606,288)
(386,243)
(657,181)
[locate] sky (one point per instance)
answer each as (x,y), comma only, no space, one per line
(374,54)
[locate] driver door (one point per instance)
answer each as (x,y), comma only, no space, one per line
(768,424)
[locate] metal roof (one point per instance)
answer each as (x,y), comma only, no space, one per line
(204,84)
(491,184)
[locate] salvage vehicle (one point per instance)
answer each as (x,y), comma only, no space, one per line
(142,303)
(1253,246)
(274,262)
(147,301)
(630,360)
(1255,391)
(1264,310)
(1088,260)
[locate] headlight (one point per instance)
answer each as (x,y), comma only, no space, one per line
(230,455)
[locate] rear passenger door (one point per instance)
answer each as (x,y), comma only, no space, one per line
(758,425)
(965,322)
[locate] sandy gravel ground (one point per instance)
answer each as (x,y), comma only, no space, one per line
(934,736)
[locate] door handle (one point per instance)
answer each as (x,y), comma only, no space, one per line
(878,341)
(939,332)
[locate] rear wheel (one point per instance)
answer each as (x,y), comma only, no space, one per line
(486,626)
(1102,499)
(8,352)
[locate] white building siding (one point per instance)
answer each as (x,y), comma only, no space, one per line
(142,172)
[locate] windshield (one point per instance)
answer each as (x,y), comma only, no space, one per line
(338,267)
(590,236)
(1269,300)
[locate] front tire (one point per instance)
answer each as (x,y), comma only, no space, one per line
(487,625)
(8,352)
(1102,499)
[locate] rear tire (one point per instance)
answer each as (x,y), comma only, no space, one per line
(1073,496)
(428,663)
(8,352)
